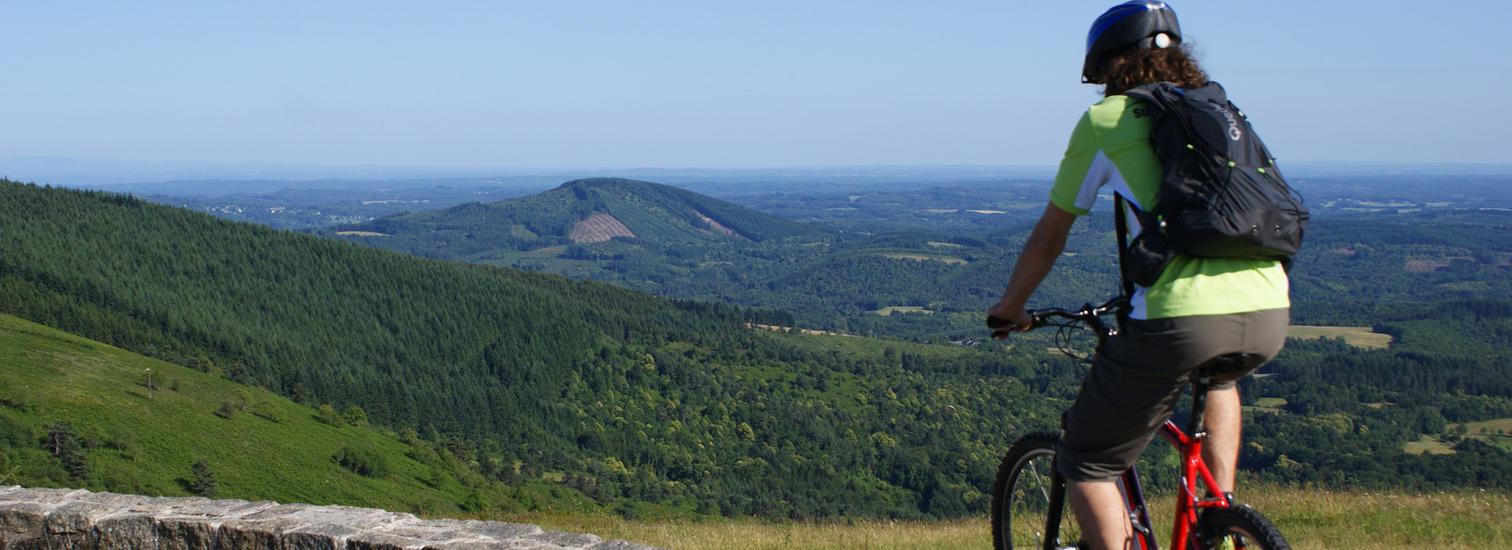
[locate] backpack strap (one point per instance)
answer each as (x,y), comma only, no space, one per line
(1146,93)
(1120,219)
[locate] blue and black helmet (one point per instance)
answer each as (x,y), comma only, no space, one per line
(1137,23)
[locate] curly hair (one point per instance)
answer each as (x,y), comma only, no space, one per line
(1130,68)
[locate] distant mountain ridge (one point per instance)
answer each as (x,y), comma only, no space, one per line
(579,211)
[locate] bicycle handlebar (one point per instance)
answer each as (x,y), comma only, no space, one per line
(1088,314)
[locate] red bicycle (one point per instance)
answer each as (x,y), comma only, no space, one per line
(1029,508)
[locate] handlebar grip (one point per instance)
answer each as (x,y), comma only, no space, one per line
(999,323)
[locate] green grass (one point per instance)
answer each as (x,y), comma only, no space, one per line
(144,440)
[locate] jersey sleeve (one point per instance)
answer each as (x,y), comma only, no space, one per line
(1076,182)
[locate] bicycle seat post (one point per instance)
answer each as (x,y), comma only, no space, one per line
(1200,385)
(1223,367)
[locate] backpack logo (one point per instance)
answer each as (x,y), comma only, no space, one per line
(1234,133)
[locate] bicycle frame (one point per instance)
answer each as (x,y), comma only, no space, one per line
(1193,471)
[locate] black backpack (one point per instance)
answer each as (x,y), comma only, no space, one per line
(1221,195)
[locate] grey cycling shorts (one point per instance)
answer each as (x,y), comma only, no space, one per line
(1137,376)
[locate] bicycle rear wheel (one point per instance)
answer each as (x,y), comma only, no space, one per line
(1238,527)
(1028,494)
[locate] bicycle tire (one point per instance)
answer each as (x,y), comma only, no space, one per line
(1022,497)
(1245,527)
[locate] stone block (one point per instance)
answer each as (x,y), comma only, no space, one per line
(21,520)
(127,531)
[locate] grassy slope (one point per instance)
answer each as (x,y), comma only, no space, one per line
(272,449)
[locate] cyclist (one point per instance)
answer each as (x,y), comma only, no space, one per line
(1198,310)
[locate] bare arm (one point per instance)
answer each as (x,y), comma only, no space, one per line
(1044,246)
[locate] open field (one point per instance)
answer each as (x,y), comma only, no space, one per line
(925,258)
(1268,404)
(889,310)
(1498,426)
(1360,337)
(1311,519)
(1496,432)
(1427,444)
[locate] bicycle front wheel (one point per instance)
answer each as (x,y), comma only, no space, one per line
(1028,496)
(1238,527)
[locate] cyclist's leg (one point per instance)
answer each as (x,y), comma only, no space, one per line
(1222,415)
(1262,335)
(1127,395)
(1099,508)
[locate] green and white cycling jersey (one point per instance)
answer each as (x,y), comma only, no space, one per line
(1110,148)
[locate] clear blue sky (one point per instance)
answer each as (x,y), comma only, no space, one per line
(585,84)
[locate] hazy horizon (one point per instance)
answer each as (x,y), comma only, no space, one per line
(350,86)
(105,173)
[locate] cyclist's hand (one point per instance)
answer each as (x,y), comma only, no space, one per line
(1015,317)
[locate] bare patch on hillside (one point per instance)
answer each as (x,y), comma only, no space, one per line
(1424,266)
(717,226)
(889,310)
(598,228)
(362,233)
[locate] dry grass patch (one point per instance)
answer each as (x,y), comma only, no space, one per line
(1310,519)
(1346,520)
(748,534)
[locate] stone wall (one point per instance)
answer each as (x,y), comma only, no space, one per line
(64,518)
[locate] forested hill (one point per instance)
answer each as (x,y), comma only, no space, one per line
(627,399)
(588,210)
(415,342)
